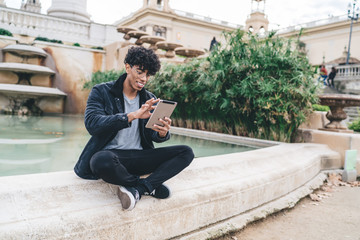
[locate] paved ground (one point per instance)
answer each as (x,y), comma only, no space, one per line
(334,216)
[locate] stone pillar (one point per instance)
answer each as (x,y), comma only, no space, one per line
(69,9)
(166,6)
(152,4)
(145,3)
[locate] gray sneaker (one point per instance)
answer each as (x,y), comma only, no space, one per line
(128,196)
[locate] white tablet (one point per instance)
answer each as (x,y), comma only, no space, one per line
(163,109)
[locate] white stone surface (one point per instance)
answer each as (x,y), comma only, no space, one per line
(33,24)
(210,191)
(69,9)
(29,90)
(25,50)
(24,67)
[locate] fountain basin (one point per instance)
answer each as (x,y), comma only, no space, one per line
(213,195)
(337,103)
(31,100)
(169,47)
(125,30)
(25,68)
(152,40)
(189,52)
(137,35)
(25,50)
(25,90)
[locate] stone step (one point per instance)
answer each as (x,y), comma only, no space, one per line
(353,113)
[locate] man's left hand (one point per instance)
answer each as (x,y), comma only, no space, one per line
(163,130)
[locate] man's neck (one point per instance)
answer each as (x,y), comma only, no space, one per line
(129,92)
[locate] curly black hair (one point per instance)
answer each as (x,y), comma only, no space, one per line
(145,58)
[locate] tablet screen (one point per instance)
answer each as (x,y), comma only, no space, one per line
(163,109)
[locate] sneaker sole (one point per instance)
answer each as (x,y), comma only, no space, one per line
(126,198)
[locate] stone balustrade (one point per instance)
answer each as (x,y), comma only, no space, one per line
(34,24)
(347,79)
(316,23)
(348,72)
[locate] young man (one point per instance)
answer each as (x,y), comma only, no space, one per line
(121,149)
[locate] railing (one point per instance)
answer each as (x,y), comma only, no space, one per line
(34,24)
(348,72)
(206,19)
(316,23)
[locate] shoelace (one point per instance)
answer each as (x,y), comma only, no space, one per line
(151,194)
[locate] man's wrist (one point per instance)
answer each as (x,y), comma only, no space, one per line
(131,116)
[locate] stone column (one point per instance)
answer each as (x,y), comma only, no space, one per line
(69,9)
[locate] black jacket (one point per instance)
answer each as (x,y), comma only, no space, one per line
(104,117)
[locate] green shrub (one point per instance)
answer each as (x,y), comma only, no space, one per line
(44,39)
(355,125)
(258,87)
(98,48)
(101,77)
(321,108)
(76,45)
(5,32)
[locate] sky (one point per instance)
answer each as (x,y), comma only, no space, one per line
(281,13)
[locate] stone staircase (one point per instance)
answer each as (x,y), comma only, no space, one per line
(353,113)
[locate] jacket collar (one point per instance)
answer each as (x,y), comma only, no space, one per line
(118,87)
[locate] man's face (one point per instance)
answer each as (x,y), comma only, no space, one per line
(137,77)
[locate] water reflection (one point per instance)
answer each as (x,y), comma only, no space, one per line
(48,144)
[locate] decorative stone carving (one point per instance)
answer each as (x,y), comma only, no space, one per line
(152,40)
(169,47)
(189,52)
(337,103)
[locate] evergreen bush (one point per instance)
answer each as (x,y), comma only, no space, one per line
(98,48)
(321,108)
(44,39)
(101,77)
(258,87)
(5,32)
(355,125)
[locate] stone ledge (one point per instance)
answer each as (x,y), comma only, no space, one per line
(212,190)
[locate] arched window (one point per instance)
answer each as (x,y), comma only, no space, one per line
(262,30)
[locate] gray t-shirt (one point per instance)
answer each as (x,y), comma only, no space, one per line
(128,138)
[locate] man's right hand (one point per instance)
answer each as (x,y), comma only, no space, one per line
(144,111)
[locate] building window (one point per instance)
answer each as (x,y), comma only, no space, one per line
(142,28)
(159,31)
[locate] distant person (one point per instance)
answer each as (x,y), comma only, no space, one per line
(213,43)
(331,77)
(323,74)
(121,148)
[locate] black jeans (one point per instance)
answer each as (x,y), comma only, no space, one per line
(124,167)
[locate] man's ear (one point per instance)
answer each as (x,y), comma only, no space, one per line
(127,68)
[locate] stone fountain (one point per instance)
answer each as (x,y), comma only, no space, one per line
(126,30)
(169,47)
(137,35)
(25,96)
(152,40)
(337,103)
(189,52)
